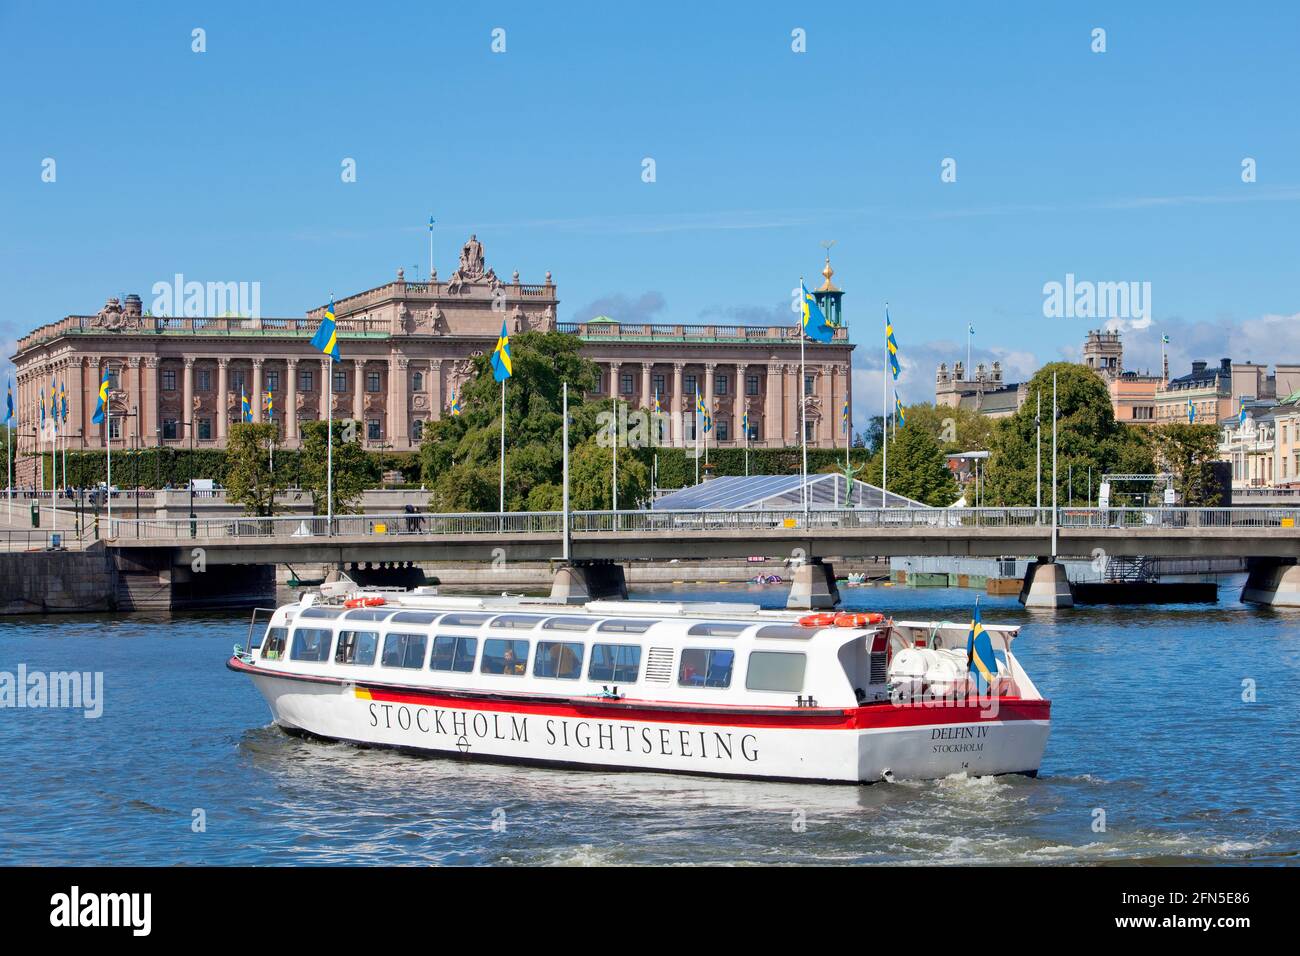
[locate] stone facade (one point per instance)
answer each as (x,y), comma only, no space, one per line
(406,347)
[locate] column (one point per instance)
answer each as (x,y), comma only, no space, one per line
(223,401)
(290,398)
(401,435)
(187,409)
(358,389)
(435,389)
(326,413)
(710,400)
(793,395)
(150,433)
(256,398)
(674,407)
(830,413)
(647,400)
(614,389)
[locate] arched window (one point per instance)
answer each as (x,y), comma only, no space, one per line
(417,382)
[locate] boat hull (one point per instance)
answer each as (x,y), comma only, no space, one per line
(857,745)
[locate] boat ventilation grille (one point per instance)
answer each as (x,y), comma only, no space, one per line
(659,665)
(878,667)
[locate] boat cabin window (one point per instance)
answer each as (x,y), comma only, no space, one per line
(356,647)
(464,620)
(311,644)
(624,626)
(705,668)
(776,670)
(367,614)
(453,654)
(273,644)
(404,650)
(517,622)
(559,659)
(787,632)
(329,613)
(414,617)
(615,663)
(504,657)
(568,624)
(716,629)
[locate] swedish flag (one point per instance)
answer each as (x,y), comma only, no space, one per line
(891,345)
(1241,415)
(815,325)
(455,404)
(327,334)
(744,423)
(658,407)
(9,401)
(502,366)
(268,403)
(898,407)
(1191,413)
(63,401)
(979,652)
(54,405)
(245,406)
(844,417)
(702,414)
(101,407)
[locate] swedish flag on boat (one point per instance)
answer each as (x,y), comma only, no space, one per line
(979,652)
(102,405)
(327,334)
(502,366)
(815,325)
(891,345)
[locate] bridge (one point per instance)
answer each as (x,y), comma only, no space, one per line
(600,540)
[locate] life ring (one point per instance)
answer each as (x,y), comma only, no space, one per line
(817,620)
(364,602)
(863,619)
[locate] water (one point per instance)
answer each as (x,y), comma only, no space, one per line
(1149,727)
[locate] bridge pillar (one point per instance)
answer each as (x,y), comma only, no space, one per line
(812,585)
(1046,585)
(581,581)
(1272,582)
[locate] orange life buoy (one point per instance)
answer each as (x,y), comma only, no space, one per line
(364,602)
(863,619)
(817,620)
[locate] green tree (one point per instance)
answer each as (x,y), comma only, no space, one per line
(1189,452)
(542,362)
(917,468)
(249,478)
(590,478)
(352,468)
(463,488)
(1088,437)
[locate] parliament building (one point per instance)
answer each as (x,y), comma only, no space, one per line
(407,347)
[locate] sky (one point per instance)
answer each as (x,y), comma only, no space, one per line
(1121,165)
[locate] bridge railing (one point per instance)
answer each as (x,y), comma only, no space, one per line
(958,520)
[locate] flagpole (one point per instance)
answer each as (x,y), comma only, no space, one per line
(108,457)
(1053,466)
(502,487)
(803,418)
(884,420)
(329,446)
(1038,466)
(565,437)
(698,425)
(614,428)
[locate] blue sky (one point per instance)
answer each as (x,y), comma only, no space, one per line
(1115,166)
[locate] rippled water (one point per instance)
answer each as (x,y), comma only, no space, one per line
(1149,727)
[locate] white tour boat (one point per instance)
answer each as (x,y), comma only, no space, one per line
(718,689)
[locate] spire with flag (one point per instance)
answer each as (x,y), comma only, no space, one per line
(814,321)
(326,338)
(981,663)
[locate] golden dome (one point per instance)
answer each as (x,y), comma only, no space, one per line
(828,286)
